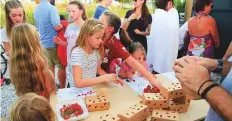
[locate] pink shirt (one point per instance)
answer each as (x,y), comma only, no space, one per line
(114,64)
(125,68)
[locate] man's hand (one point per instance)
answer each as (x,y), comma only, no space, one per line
(190,73)
(210,64)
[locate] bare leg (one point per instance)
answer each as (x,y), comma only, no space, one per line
(62,77)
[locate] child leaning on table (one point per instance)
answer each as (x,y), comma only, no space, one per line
(137,51)
(32,107)
(86,57)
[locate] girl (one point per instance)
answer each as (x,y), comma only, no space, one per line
(32,107)
(114,49)
(14,14)
(138,53)
(78,15)
(86,56)
(102,7)
(138,22)
(29,69)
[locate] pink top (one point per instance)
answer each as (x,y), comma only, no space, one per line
(125,68)
(114,64)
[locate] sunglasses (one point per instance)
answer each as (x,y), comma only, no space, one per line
(212,6)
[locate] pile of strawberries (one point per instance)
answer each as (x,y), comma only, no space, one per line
(72,110)
(151,90)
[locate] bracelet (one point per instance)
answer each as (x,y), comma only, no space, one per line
(203,95)
(198,92)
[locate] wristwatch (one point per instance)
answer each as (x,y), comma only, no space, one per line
(219,67)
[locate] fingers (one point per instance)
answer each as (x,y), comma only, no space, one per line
(181,62)
(178,69)
(119,81)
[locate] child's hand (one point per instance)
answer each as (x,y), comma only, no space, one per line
(119,81)
(129,75)
(56,39)
(155,83)
(109,77)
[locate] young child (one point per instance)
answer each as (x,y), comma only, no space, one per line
(102,7)
(86,57)
(78,15)
(138,53)
(62,49)
(29,68)
(32,107)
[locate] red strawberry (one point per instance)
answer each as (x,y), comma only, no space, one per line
(76,113)
(62,110)
(145,90)
(81,111)
(149,90)
(66,117)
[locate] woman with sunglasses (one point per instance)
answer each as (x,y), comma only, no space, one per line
(202,35)
(138,22)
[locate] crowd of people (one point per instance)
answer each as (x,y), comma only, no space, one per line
(87,52)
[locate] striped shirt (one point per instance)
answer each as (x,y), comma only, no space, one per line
(87,62)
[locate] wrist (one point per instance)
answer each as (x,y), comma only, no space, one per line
(207,84)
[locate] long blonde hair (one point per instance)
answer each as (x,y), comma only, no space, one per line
(9,5)
(32,107)
(29,70)
(89,28)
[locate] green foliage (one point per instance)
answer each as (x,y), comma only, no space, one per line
(90,9)
(180,6)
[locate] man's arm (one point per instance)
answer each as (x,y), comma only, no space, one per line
(220,101)
(193,75)
(55,19)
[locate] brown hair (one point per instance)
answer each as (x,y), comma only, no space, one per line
(80,7)
(115,21)
(162,4)
(135,46)
(98,1)
(9,5)
(89,28)
(144,11)
(29,70)
(199,5)
(32,107)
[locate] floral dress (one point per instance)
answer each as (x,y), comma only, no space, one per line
(201,46)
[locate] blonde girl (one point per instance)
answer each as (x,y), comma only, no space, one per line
(86,57)
(32,107)
(29,69)
(14,14)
